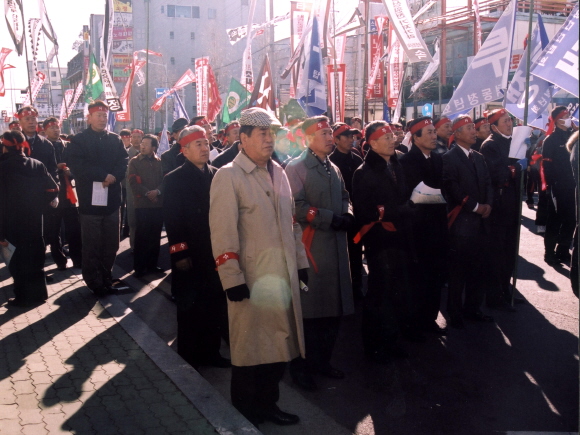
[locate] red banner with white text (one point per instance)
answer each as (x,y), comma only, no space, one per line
(336,79)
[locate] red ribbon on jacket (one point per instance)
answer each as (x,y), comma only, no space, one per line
(26,147)
(225,257)
(455,212)
(70,193)
(542,173)
(308,236)
(389,226)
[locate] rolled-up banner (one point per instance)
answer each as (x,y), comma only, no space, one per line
(68,95)
(111,97)
(78,92)
(374,89)
(408,35)
(201,74)
(15,23)
(336,79)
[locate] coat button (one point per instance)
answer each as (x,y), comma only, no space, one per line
(268,193)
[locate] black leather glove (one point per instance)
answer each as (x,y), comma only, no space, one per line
(348,222)
(238,293)
(337,222)
(303,275)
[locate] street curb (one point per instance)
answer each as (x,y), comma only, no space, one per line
(220,414)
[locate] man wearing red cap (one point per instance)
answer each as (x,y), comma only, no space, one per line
(560,180)
(230,149)
(444,131)
(66,211)
(40,148)
(423,164)
(98,160)
(14,125)
(26,189)
(324,211)
(381,207)
(467,190)
(504,219)
(482,132)
(347,162)
(199,296)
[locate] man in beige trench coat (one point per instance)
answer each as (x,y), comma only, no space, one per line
(323,210)
(260,259)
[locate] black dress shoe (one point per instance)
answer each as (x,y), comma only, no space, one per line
(434,328)
(14,302)
(281,418)
(331,372)
(304,380)
(478,316)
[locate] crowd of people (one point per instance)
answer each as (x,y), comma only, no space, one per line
(268,228)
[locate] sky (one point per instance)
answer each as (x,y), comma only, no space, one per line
(68,18)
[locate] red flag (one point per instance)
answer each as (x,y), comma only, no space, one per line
(3,53)
(214,101)
(125,114)
(263,95)
(187,78)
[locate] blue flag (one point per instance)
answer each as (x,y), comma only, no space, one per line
(540,91)
(558,63)
(111,121)
(311,92)
(486,78)
(178,108)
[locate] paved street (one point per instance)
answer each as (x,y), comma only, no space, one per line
(76,365)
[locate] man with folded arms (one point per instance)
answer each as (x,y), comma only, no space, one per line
(467,189)
(260,259)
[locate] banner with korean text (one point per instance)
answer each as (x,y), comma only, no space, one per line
(336,79)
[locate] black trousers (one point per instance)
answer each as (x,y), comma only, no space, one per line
(387,303)
(255,389)
(53,221)
(27,270)
(561,221)
(466,256)
(542,210)
(200,328)
(147,237)
(574,264)
(501,260)
(100,236)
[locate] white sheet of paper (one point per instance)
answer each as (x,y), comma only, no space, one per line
(423,194)
(518,147)
(100,194)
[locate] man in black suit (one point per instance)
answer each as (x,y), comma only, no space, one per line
(505,181)
(429,269)
(196,286)
(467,189)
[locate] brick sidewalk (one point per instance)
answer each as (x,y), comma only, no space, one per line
(68,367)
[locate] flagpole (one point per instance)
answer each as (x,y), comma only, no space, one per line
(49,81)
(26,52)
(147,72)
(526,98)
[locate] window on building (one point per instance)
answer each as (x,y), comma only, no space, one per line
(183,11)
(195,11)
(172,61)
(192,35)
(171,35)
(176,11)
(211,13)
(170,10)
(162,9)
(53,73)
(54,83)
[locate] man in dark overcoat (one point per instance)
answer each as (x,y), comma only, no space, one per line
(196,287)
(26,189)
(381,207)
(423,164)
(467,189)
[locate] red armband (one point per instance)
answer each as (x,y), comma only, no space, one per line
(312,213)
(178,247)
(225,257)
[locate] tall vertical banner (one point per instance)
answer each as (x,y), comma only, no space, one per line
(214,100)
(408,35)
(311,92)
(109,89)
(15,23)
(486,77)
(375,88)
(478,35)
(299,15)
(395,76)
(36,85)
(247,73)
(68,96)
(73,103)
(124,115)
(201,74)
(336,97)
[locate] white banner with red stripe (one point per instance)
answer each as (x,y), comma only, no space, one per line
(201,74)
(36,85)
(75,99)
(68,95)
(336,79)
(187,78)
(395,68)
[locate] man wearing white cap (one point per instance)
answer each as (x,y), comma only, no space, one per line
(259,256)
